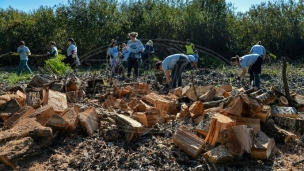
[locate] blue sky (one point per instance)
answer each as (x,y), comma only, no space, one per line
(28,5)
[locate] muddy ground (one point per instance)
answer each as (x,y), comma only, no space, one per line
(107,149)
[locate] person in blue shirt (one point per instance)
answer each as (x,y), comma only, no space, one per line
(125,51)
(196,56)
(258,49)
(23,51)
(72,56)
(54,51)
(113,54)
(136,47)
(177,63)
(254,62)
(149,49)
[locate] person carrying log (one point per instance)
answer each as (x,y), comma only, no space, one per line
(177,63)
(254,62)
(258,49)
(54,51)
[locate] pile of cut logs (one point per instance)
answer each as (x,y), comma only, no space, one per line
(225,118)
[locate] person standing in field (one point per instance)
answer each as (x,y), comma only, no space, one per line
(258,49)
(113,54)
(23,51)
(254,62)
(176,63)
(54,51)
(149,49)
(189,47)
(136,47)
(126,52)
(72,56)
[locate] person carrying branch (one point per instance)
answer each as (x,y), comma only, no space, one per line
(136,47)
(177,63)
(258,49)
(254,62)
(23,51)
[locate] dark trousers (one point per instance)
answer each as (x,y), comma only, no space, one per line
(133,63)
(254,71)
(176,73)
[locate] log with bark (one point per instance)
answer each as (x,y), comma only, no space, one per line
(188,141)
(184,111)
(253,123)
(218,155)
(262,146)
(274,131)
(57,100)
(218,123)
(71,116)
(15,117)
(237,139)
(267,98)
(203,127)
(131,127)
(290,112)
(291,101)
(148,118)
(264,113)
(89,120)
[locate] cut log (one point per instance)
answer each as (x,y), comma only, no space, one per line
(217,124)
(22,100)
(264,113)
(125,90)
(274,131)
(196,109)
(160,102)
(188,141)
(5,116)
(200,90)
(221,93)
(9,103)
(57,123)
(149,118)
(218,155)
(251,106)
(132,104)
(73,84)
(16,150)
(177,91)
(267,98)
(237,139)
(58,86)
(216,103)
(284,111)
(262,146)
(131,127)
(71,96)
(227,88)
(141,106)
(23,129)
(110,101)
(283,101)
(184,111)
(40,81)
(42,115)
(120,104)
(208,96)
(234,106)
(203,127)
(89,120)
(253,123)
(142,88)
(293,124)
(23,111)
(58,101)
(36,97)
(70,115)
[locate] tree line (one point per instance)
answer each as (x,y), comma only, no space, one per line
(214,24)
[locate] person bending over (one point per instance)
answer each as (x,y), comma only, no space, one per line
(254,62)
(177,63)
(258,49)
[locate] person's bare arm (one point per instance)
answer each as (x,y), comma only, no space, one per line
(243,73)
(168,79)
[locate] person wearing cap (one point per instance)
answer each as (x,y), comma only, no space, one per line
(136,47)
(148,50)
(54,51)
(72,56)
(254,62)
(258,49)
(177,63)
(189,47)
(23,51)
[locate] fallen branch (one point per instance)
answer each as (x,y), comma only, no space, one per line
(298,162)
(292,103)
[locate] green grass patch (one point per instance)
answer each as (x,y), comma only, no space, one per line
(13,78)
(57,66)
